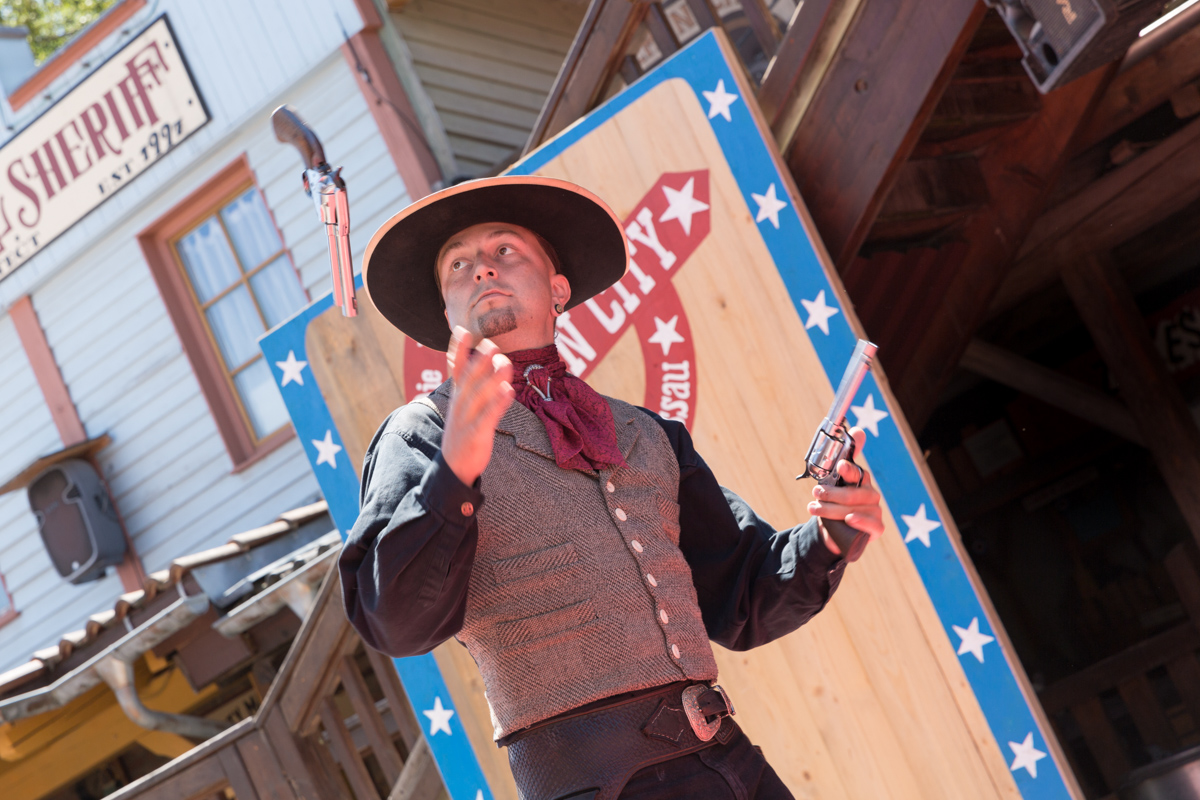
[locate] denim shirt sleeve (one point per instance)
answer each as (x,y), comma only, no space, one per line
(407,561)
(754,583)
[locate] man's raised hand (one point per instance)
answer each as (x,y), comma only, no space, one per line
(482,392)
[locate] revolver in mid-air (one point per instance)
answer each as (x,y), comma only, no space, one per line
(833,443)
(325,186)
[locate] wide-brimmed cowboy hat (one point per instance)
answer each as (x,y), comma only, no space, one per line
(398,267)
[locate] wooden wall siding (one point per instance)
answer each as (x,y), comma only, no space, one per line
(488,66)
(29,432)
(124,365)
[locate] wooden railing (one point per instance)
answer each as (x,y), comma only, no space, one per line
(334,725)
(620,40)
(1137,706)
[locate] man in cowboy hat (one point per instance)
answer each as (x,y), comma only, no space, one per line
(578,546)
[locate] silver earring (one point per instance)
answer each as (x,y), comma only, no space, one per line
(558,308)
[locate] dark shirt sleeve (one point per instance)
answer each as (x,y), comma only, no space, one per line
(754,583)
(407,560)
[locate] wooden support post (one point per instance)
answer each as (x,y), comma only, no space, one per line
(1052,388)
(763,23)
(594,55)
(870,109)
(660,29)
(783,72)
(1119,331)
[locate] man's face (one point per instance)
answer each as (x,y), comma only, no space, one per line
(498,283)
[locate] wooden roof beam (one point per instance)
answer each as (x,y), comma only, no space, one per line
(1019,168)
(870,108)
(1110,211)
(1052,388)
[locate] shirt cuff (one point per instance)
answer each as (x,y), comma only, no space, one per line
(820,557)
(447,497)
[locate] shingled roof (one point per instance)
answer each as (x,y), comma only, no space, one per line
(133,608)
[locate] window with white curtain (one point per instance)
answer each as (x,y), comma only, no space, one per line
(244,283)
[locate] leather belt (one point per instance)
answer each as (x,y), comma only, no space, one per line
(591,755)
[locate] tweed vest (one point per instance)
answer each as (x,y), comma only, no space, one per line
(579,590)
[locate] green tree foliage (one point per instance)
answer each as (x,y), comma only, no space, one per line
(50,22)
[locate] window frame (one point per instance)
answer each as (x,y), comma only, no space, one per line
(157,242)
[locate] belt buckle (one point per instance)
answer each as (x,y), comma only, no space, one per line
(701,726)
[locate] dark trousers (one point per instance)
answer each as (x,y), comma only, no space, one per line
(733,771)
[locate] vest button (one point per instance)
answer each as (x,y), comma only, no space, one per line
(621,515)
(467,509)
(609,486)
(650,578)
(636,545)
(663,616)
(675,650)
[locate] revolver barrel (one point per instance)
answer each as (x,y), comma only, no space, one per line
(856,370)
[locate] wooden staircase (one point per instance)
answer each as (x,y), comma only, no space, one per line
(335,725)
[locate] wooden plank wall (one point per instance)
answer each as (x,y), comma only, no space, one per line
(29,432)
(868,700)
(488,65)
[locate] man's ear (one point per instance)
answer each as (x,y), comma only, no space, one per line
(560,288)
(446,314)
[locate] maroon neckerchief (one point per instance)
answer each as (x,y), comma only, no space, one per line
(578,420)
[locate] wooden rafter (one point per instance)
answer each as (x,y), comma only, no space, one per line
(1147,84)
(1053,388)
(870,109)
(1119,331)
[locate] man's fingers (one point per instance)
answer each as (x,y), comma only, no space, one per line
(867,523)
(847,495)
(486,348)
(866,518)
(860,439)
(851,472)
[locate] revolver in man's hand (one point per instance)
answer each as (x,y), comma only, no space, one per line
(833,443)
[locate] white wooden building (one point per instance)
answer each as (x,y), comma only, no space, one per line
(197,452)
